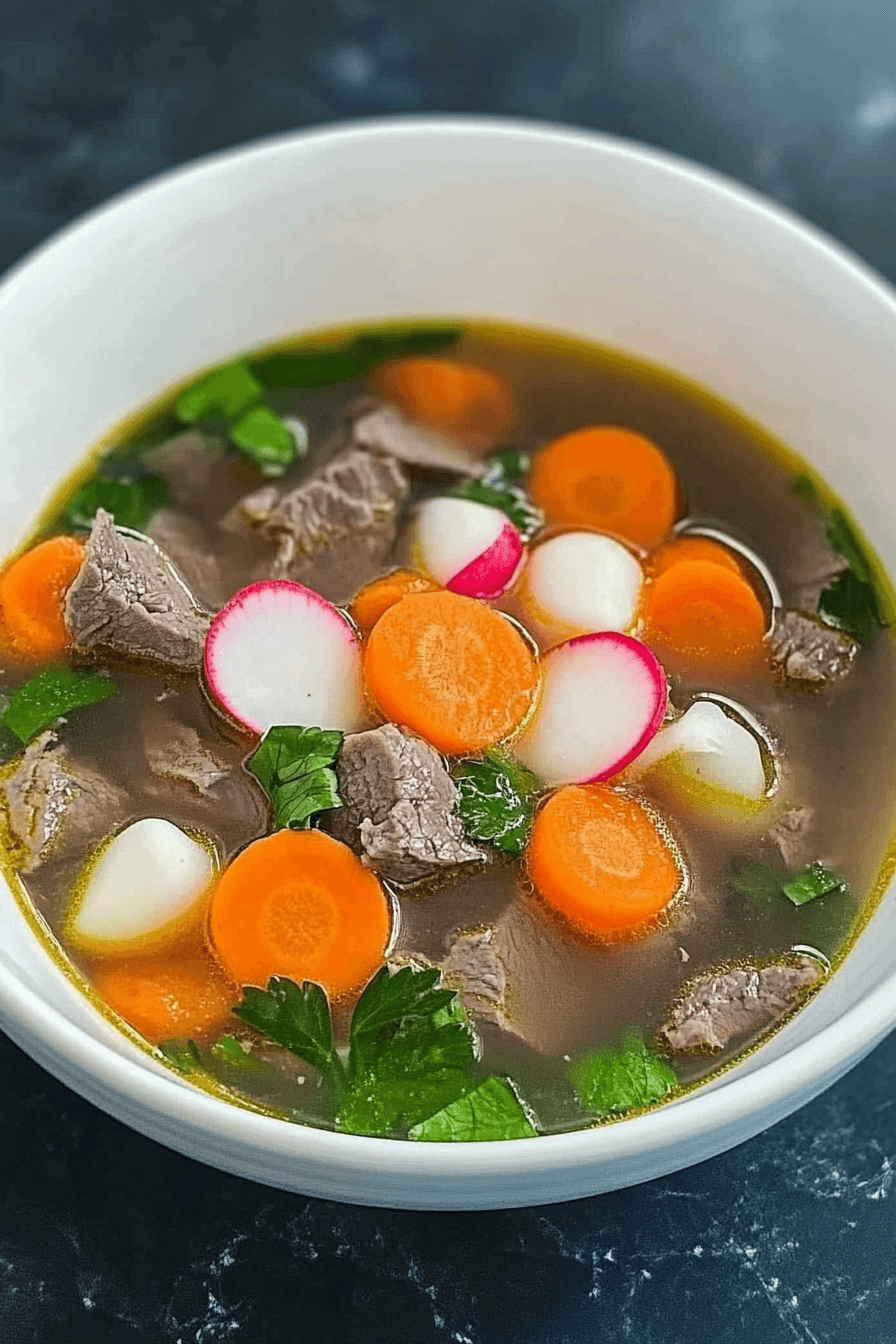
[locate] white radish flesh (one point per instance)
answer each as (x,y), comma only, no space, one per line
(712,747)
(280,654)
(603,698)
(142,891)
(582,581)
(469,548)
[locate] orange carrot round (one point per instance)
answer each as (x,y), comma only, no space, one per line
(599,858)
(609,478)
(32,598)
(471,404)
(165,997)
(691,548)
(376,597)
(452,670)
(299,904)
(699,613)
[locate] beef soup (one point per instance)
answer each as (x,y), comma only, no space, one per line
(446,734)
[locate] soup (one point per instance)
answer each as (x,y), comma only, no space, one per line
(445,733)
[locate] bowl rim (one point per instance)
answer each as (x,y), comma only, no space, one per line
(811,1064)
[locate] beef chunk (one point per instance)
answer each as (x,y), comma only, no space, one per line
(383,429)
(129,598)
(720,1006)
(791,836)
(191,464)
(185,543)
(45,802)
(182,756)
(807,650)
(474,968)
(248,513)
(399,806)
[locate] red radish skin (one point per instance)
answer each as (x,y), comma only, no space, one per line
(470,548)
(279,653)
(603,699)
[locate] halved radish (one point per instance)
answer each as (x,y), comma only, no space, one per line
(581,581)
(470,548)
(712,748)
(145,889)
(603,698)
(280,654)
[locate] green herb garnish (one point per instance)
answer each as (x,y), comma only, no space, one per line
(510,499)
(319,366)
(228,1050)
(294,766)
(812,882)
(227,392)
(491,1111)
(55,691)
(268,440)
(411,1047)
(497,800)
(850,604)
(131,502)
(185,1056)
(611,1081)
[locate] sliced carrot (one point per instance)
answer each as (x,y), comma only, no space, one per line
(299,904)
(599,858)
(472,404)
(451,669)
(167,997)
(609,478)
(691,548)
(698,613)
(379,595)
(32,598)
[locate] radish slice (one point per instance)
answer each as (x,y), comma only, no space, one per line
(603,698)
(147,885)
(712,747)
(469,548)
(280,654)
(582,581)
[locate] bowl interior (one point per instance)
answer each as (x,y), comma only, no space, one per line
(455,219)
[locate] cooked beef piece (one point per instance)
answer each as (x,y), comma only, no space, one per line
(46,803)
(807,650)
(383,429)
(185,543)
(719,1006)
(181,755)
(810,564)
(191,464)
(473,967)
(129,598)
(248,513)
(399,806)
(791,836)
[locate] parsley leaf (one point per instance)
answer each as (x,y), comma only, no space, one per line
(846,543)
(53,692)
(812,882)
(761,883)
(131,502)
(611,1081)
(509,466)
(850,604)
(298,1018)
(319,366)
(185,1056)
(266,438)
(294,766)
(227,391)
(496,801)
(228,1050)
(510,499)
(491,1111)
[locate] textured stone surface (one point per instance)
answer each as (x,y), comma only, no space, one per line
(106,1238)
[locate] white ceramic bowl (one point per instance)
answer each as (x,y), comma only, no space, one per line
(449,217)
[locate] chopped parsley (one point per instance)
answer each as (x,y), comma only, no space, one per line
(132,502)
(410,1056)
(614,1080)
(50,694)
(294,766)
(227,392)
(491,1111)
(500,488)
(765,883)
(185,1056)
(812,882)
(234,393)
(496,802)
(849,602)
(320,366)
(262,435)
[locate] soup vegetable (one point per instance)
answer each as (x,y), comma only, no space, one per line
(446,734)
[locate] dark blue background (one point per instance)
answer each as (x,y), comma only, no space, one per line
(105,1237)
